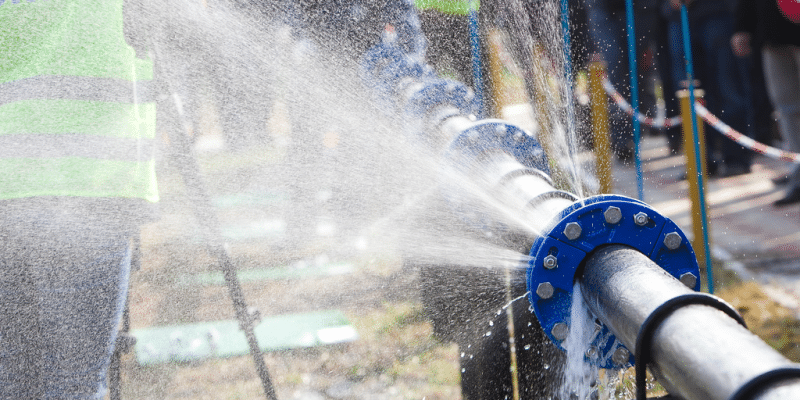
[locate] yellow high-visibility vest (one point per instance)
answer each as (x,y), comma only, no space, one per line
(77,111)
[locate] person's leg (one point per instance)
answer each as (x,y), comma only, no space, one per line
(728,91)
(63,284)
(607,32)
(782,78)
(82,290)
(19,326)
(679,78)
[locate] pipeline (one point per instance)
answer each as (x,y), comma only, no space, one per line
(636,269)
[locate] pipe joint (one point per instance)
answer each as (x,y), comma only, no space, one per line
(580,229)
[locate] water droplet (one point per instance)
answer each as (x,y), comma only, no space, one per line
(491,323)
(488,333)
(527,347)
(546,366)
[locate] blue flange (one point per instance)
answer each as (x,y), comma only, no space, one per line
(494,134)
(579,229)
(432,93)
(384,65)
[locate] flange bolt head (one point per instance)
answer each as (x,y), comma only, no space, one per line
(689,279)
(672,240)
(613,215)
(550,261)
(641,219)
(573,230)
(621,356)
(591,352)
(545,290)
(560,331)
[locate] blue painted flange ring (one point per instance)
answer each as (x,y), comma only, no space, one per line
(434,92)
(494,134)
(579,229)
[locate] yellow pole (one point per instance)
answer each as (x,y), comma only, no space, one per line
(691,169)
(600,127)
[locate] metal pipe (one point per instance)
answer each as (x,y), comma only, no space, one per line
(625,255)
(698,352)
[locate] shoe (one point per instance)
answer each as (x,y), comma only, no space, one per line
(780,180)
(792,197)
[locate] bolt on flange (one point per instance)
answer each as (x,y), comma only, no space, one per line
(545,290)
(689,279)
(573,230)
(613,215)
(641,219)
(550,262)
(621,356)
(672,240)
(592,352)
(560,331)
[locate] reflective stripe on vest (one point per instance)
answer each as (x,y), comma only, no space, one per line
(77,88)
(73,145)
(77,111)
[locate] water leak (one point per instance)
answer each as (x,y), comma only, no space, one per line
(305,169)
(580,374)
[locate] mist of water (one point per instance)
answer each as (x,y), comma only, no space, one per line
(580,375)
(536,41)
(290,106)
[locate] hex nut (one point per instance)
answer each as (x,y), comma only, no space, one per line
(545,290)
(573,230)
(641,219)
(613,215)
(689,279)
(560,331)
(621,356)
(672,240)
(592,352)
(550,261)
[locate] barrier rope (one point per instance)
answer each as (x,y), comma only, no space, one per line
(626,107)
(743,140)
(711,119)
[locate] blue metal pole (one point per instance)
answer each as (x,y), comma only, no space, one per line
(634,95)
(687,52)
(567,45)
(477,66)
(570,113)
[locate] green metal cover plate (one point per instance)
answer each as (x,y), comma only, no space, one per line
(268,274)
(221,339)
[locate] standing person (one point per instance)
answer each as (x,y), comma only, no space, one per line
(78,179)
(723,77)
(760,24)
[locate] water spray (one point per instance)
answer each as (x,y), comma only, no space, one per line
(636,269)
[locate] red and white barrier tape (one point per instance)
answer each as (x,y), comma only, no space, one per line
(743,140)
(626,107)
(712,120)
